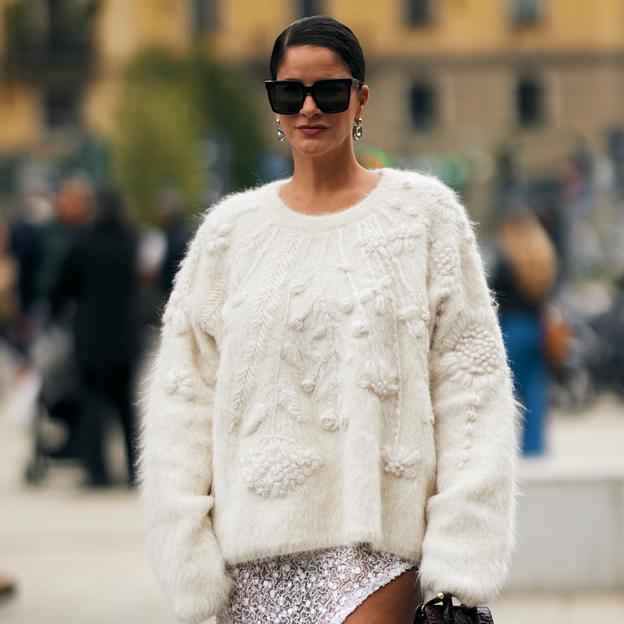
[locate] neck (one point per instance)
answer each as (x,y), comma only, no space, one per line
(317,176)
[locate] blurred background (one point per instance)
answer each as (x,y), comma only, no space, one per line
(122,121)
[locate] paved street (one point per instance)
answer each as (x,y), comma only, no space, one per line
(78,556)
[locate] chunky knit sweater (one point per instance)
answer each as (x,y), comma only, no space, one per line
(331,379)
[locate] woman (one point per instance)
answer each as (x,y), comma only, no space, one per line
(523,279)
(329,422)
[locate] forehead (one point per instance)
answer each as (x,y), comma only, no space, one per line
(310,63)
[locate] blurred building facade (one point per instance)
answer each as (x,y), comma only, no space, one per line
(455,77)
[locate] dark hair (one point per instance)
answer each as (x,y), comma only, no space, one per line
(325,32)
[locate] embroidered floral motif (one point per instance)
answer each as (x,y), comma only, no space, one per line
(377,290)
(345,305)
(299,286)
(446,260)
(379,378)
(471,417)
(291,354)
(277,465)
(217,237)
(296,322)
(404,238)
(179,382)
(177,313)
(472,354)
(398,240)
(254,419)
(288,400)
(330,421)
(308,384)
(398,204)
(418,310)
(401,462)
(360,329)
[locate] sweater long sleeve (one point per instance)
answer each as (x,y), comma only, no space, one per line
(327,380)
(470,518)
(176,457)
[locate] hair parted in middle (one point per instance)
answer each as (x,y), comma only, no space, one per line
(325,32)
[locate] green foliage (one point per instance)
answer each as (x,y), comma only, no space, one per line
(168,105)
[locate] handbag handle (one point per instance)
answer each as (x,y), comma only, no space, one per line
(448,612)
(447,602)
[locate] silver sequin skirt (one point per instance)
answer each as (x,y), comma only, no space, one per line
(314,587)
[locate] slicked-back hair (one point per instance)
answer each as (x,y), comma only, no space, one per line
(325,32)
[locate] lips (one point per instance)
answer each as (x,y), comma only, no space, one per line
(311,130)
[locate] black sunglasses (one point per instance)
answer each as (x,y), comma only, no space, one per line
(286,97)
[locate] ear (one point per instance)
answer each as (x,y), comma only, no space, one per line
(362,99)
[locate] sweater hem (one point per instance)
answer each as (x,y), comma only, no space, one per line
(269,551)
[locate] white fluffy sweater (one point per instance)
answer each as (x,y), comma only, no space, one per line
(331,379)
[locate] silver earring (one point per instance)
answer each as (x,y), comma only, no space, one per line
(280,133)
(358,129)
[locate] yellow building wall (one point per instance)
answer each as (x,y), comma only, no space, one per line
(19,116)
(460,28)
(19,113)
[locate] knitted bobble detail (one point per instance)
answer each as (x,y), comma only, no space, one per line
(178,382)
(380,379)
(401,462)
(217,237)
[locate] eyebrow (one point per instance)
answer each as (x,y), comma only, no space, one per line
(326,78)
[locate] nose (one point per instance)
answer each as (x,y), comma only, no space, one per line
(309,106)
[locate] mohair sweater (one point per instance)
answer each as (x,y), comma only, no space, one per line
(331,379)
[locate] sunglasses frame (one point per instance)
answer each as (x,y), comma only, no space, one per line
(305,90)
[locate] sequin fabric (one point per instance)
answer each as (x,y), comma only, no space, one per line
(315,587)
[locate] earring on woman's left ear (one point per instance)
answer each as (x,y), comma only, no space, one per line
(280,133)
(358,129)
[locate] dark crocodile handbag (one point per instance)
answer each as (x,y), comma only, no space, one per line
(446,613)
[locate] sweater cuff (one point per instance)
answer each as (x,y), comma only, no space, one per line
(472,582)
(198,587)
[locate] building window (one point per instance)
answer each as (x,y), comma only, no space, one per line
(526,12)
(61,108)
(418,12)
(529,102)
(308,8)
(422,102)
(204,16)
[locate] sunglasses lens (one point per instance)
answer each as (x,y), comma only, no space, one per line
(332,96)
(287,98)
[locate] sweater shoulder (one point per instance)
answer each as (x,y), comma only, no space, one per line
(426,190)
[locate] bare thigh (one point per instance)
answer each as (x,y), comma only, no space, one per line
(394,603)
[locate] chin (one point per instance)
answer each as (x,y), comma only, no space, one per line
(315,149)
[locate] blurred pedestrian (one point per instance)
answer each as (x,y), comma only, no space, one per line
(329,424)
(9,305)
(523,279)
(100,274)
(25,244)
(177,230)
(74,208)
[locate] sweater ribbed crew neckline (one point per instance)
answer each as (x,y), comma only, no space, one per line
(283,213)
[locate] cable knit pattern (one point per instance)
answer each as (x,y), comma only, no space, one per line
(329,380)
